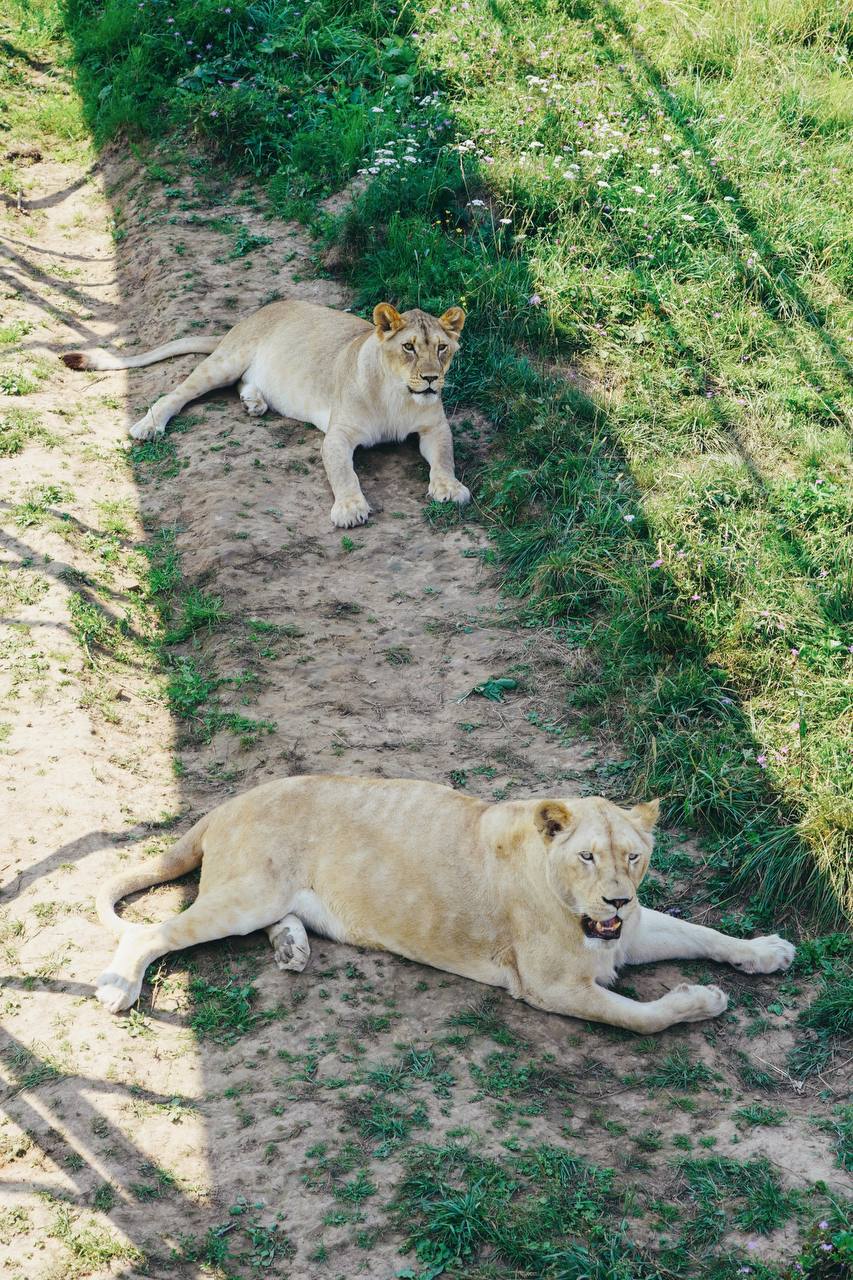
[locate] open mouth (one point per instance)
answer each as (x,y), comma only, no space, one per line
(606,930)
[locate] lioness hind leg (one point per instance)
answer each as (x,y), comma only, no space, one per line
(253,402)
(217,914)
(290,943)
(220,369)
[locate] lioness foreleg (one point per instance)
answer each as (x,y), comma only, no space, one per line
(662,937)
(436,445)
(595,1003)
(350,506)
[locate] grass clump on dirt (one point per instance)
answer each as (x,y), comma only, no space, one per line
(223,1013)
(19,428)
(626,191)
(544,1211)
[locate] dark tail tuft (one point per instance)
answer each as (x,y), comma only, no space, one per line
(76,359)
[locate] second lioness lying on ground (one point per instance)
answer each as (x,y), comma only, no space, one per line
(536,896)
(360,383)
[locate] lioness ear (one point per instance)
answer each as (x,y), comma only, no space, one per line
(645,815)
(453,321)
(387,320)
(550,818)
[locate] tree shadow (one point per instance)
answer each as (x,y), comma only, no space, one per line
(61,1115)
(23,278)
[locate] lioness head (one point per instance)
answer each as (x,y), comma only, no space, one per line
(597,854)
(417,347)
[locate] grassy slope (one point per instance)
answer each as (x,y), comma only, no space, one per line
(537,1210)
(659,195)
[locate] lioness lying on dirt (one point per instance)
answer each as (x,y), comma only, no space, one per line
(360,383)
(536,896)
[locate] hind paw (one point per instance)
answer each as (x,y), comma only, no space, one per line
(290,944)
(146,428)
(116,993)
(253,402)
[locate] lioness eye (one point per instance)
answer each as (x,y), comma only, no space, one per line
(442,347)
(587,857)
(632,857)
(408,346)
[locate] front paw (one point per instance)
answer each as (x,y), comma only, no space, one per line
(766,955)
(350,511)
(449,489)
(695,1003)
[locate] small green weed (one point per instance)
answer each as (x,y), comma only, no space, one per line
(198,611)
(677,1071)
(94,630)
(189,688)
(36,506)
(756,1113)
(494,689)
(91,1247)
(20,427)
(483,1019)
(245,242)
(399,655)
(16,382)
(223,1013)
(13,333)
(840,1126)
(751,1186)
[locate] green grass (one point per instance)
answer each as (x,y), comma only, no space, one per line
(15,381)
(222,1013)
(626,189)
(544,1211)
(90,1246)
(840,1126)
(752,1188)
(756,1114)
(37,504)
(198,611)
(47,114)
(95,631)
(678,1071)
(21,427)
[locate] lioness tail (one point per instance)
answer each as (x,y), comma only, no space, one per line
(97,358)
(183,856)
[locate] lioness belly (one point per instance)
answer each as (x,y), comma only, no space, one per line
(316,916)
(290,388)
(292,401)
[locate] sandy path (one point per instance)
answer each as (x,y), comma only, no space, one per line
(131,1134)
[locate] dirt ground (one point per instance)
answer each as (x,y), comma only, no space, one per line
(150,1134)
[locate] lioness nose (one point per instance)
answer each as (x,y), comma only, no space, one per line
(430,377)
(616,902)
